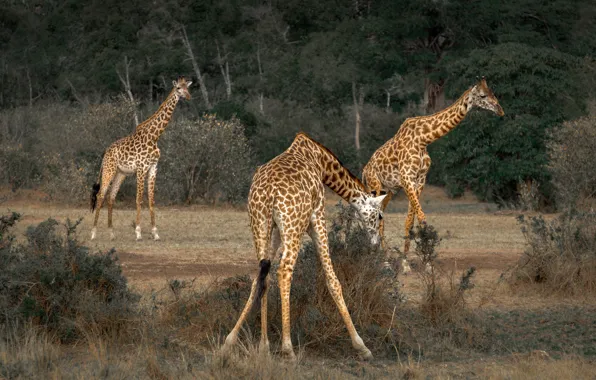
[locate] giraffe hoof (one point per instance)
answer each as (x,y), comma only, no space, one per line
(365,354)
(93,233)
(289,355)
(138,233)
(154,233)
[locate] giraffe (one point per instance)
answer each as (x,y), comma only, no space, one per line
(286,200)
(403,161)
(136,154)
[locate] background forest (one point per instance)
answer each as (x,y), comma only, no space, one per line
(76,74)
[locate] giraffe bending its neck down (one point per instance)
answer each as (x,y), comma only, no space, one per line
(403,160)
(286,200)
(136,154)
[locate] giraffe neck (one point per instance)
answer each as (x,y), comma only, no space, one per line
(155,125)
(335,175)
(439,124)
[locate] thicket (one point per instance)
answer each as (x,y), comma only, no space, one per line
(52,281)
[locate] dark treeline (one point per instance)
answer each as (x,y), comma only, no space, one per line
(348,72)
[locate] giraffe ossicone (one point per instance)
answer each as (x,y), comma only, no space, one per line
(403,161)
(136,154)
(287,200)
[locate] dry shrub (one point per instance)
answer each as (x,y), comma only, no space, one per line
(561,254)
(572,153)
(444,298)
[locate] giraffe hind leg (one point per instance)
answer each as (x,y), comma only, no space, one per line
(107,176)
(116,182)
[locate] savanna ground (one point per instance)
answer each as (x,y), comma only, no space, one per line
(534,336)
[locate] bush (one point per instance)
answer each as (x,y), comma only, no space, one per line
(53,281)
(572,153)
(561,254)
(59,147)
(207,159)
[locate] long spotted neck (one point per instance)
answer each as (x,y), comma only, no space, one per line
(335,175)
(157,123)
(439,124)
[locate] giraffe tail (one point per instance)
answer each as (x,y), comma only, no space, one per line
(94,192)
(263,272)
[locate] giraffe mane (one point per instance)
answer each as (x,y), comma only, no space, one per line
(324,148)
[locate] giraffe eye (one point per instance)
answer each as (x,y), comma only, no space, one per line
(483,96)
(380,216)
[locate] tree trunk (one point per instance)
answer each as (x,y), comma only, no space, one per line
(196,68)
(260,79)
(388,105)
(125,80)
(358,103)
(30,89)
(225,71)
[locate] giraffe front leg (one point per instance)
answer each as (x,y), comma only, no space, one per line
(140,191)
(318,232)
(151,190)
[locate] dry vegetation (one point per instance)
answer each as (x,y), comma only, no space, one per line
(441,324)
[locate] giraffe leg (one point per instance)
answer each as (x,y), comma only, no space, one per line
(414,209)
(382,222)
(140,190)
(151,193)
(275,247)
(318,232)
(118,178)
(261,237)
(291,247)
(106,179)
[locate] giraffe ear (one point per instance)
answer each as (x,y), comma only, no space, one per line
(174,83)
(188,83)
(379,199)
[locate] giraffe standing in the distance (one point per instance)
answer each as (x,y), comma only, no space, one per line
(286,200)
(403,160)
(136,154)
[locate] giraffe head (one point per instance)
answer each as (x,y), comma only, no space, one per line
(482,96)
(181,86)
(369,210)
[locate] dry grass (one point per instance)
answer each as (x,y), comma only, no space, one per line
(171,341)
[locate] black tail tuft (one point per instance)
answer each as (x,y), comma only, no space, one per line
(261,286)
(94,192)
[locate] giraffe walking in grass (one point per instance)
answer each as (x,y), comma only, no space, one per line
(136,154)
(286,200)
(403,161)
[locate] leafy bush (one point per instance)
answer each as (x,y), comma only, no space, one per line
(561,254)
(572,153)
(206,159)
(53,281)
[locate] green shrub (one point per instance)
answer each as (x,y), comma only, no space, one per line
(206,160)
(53,281)
(572,153)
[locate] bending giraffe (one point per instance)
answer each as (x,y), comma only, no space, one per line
(287,199)
(136,154)
(403,160)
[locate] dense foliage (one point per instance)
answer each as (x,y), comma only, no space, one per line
(284,66)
